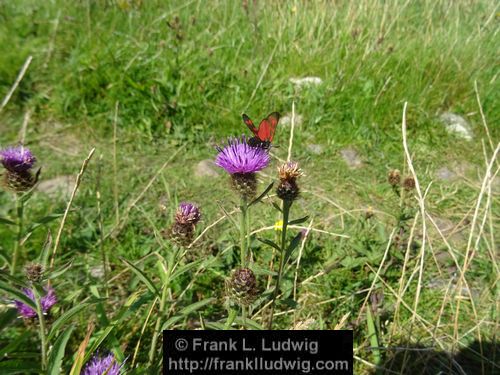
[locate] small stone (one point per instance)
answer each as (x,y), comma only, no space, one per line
(286,120)
(351,157)
(306,81)
(205,168)
(457,125)
(97,271)
(60,186)
(444,225)
(315,149)
(445,174)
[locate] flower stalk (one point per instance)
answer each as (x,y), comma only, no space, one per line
(287,204)
(163,303)
(41,327)
(243,231)
(19,232)
(372,333)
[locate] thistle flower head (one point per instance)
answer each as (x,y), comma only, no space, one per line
(241,158)
(18,162)
(187,213)
(47,301)
(34,272)
(409,183)
(289,170)
(394,177)
(242,287)
(288,189)
(183,228)
(17,159)
(102,365)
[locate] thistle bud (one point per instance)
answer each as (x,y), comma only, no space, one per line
(241,287)
(409,183)
(187,213)
(34,272)
(18,162)
(394,177)
(288,189)
(183,228)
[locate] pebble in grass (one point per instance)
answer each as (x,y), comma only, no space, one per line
(351,157)
(286,120)
(445,174)
(315,149)
(206,168)
(457,125)
(60,186)
(306,81)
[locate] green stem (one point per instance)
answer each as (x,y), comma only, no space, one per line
(230,317)
(286,212)
(372,332)
(163,302)
(17,244)
(243,243)
(243,231)
(42,330)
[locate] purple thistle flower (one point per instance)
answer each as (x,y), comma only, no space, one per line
(102,365)
(187,213)
(47,301)
(17,159)
(240,158)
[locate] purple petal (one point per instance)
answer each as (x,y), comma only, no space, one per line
(239,157)
(102,365)
(17,159)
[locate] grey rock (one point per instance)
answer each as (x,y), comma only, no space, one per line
(286,120)
(306,81)
(60,186)
(351,157)
(206,168)
(97,271)
(315,149)
(445,174)
(457,125)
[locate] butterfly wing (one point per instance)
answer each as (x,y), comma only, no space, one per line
(267,127)
(249,123)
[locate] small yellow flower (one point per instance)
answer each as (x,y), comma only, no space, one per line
(294,9)
(278,225)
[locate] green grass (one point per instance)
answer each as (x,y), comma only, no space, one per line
(182,73)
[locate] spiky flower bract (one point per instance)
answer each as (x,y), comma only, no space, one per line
(238,157)
(98,365)
(17,159)
(409,183)
(46,301)
(288,189)
(242,287)
(18,162)
(187,213)
(394,177)
(186,218)
(34,272)
(289,170)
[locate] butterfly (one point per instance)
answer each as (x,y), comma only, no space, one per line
(264,134)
